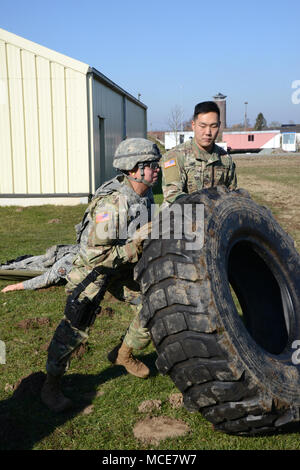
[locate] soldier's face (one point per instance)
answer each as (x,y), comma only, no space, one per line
(206,127)
(150,175)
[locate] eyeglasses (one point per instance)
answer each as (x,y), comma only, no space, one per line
(153,165)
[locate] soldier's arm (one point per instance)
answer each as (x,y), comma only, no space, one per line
(229,174)
(41,281)
(173,177)
(232,178)
(108,235)
(53,275)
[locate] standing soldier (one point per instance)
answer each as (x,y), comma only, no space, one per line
(109,248)
(199,163)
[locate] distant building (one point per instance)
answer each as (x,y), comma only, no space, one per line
(175,138)
(220,100)
(290,137)
(172,139)
(252,140)
(60,123)
(287,138)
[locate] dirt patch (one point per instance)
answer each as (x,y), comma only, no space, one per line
(149,405)
(53,221)
(107,311)
(81,351)
(156,429)
(109,297)
(44,347)
(88,410)
(176,400)
(30,323)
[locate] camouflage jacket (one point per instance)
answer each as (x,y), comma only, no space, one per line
(108,224)
(186,169)
(54,274)
(55,264)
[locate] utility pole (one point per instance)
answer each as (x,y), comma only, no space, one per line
(246,121)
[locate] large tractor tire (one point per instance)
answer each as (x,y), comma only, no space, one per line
(235,362)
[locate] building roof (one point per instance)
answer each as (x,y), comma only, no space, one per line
(290,128)
(265,131)
(64,60)
(219,96)
(43,51)
(109,83)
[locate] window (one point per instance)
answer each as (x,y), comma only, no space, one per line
(250,138)
(289,139)
(181,138)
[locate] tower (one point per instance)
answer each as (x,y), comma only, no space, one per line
(220,100)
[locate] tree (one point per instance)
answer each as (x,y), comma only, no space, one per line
(187,125)
(260,122)
(274,124)
(238,127)
(175,120)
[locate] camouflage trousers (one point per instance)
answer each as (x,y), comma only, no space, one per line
(67,338)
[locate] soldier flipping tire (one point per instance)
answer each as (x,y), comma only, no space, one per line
(238,371)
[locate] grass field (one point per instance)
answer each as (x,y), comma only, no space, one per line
(107,399)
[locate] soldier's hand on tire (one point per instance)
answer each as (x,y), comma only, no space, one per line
(142,233)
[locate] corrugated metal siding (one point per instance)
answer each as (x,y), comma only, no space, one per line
(107,105)
(43,121)
(136,125)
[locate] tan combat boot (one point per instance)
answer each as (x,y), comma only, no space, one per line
(131,364)
(52,396)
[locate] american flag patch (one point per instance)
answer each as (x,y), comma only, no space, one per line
(102,217)
(169,163)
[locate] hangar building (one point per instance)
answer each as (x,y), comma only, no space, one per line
(60,123)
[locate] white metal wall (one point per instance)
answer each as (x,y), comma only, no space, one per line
(43,120)
(59,125)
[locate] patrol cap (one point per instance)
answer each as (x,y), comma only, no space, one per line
(132,151)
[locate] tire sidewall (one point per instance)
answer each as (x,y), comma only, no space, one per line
(236,219)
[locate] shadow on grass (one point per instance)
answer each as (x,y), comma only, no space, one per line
(24,420)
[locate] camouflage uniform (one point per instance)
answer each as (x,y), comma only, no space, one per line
(110,259)
(55,264)
(186,169)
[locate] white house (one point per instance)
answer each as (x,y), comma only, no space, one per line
(175,138)
(290,137)
(60,123)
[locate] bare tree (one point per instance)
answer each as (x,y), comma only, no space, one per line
(175,121)
(274,124)
(187,125)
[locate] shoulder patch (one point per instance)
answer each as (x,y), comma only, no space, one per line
(102,217)
(170,163)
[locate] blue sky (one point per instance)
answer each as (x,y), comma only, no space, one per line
(176,52)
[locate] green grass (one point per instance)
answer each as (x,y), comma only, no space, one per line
(275,174)
(114,395)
